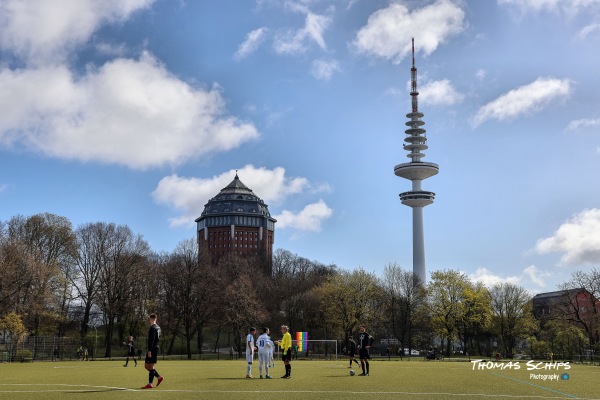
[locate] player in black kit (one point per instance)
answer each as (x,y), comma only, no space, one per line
(152,355)
(352,351)
(364,343)
(130,351)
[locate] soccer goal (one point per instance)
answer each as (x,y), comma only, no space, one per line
(320,349)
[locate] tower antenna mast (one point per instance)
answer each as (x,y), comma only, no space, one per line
(416,171)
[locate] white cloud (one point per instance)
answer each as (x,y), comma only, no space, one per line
(583,123)
(324,69)
(480,74)
(189,195)
(439,93)
(523,100)
(251,44)
(42,32)
(588,30)
(531,275)
(578,239)
(128,112)
(3,188)
(389,31)
(489,279)
(308,219)
(294,42)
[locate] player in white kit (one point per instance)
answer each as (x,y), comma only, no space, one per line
(250,351)
(264,344)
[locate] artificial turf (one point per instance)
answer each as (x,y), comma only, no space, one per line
(216,380)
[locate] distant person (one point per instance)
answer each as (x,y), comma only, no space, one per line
(263,343)
(271,346)
(152,354)
(250,352)
(130,351)
(364,342)
(286,347)
(352,351)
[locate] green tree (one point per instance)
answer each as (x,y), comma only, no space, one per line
(12,324)
(446,295)
(475,316)
(349,299)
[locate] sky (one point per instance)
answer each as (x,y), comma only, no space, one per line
(137,112)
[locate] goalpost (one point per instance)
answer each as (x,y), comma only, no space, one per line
(312,347)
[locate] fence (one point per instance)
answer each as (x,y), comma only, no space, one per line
(42,348)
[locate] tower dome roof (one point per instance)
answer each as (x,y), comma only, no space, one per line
(235,199)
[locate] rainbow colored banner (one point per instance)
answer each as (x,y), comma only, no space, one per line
(301,337)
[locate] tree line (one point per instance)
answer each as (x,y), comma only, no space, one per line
(58,280)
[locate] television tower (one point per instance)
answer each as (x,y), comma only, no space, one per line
(416,170)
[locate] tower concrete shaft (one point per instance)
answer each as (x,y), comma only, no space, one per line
(416,171)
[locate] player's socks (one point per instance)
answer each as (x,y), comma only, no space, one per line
(151,376)
(367,363)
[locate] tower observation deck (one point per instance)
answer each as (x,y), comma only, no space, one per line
(416,171)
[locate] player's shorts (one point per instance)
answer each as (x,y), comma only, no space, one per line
(351,355)
(263,356)
(153,359)
(249,357)
(131,353)
(364,354)
(287,356)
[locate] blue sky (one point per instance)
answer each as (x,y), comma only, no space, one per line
(138,111)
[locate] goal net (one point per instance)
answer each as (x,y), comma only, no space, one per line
(313,349)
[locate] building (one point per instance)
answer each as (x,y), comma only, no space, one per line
(416,171)
(236,222)
(571,304)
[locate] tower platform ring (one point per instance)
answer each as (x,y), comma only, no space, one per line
(416,170)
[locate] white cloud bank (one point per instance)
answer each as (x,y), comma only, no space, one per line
(42,31)
(525,99)
(389,31)
(529,276)
(308,219)
(578,239)
(128,112)
(189,195)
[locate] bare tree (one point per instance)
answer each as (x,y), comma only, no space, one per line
(581,302)
(48,246)
(512,314)
(241,306)
(405,296)
(123,257)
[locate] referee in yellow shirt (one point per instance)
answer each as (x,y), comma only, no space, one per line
(286,347)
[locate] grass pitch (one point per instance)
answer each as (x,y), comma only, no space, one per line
(417,380)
